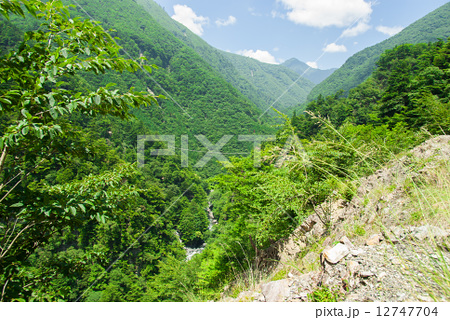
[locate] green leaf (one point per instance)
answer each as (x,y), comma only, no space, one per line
(82,207)
(17,205)
(40,133)
(51,100)
(25,113)
(25,130)
(97,99)
(148,69)
(64,52)
(5,101)
(53,113)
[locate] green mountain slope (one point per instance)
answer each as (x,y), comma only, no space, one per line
(276,84)
(301,68)
(199,101)
(262,83)
(360,66)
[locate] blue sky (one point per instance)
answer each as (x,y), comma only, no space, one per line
(323,33)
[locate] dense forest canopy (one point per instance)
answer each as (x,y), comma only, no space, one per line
(81,221)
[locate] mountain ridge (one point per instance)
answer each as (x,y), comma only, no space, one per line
(360,66)
(314,75)
(263,90)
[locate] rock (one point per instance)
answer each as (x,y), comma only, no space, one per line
(260,297)
(425,298)
(394,234)
(347,242)
(428,232)
(336,254)
(396,261)
(398,232)
(288,250)
(308,224)
(366,274)
(327,242)
(249,296)
(357,252)
(353,267)
(382,275)
(304,296)
(352,297)
(311,258)
(401,297)
(374,240)
(276,291)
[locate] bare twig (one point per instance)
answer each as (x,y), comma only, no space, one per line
(12,232)
(3,158)
(25,176)
(15,238)
(4,289)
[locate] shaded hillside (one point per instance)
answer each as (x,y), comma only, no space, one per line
(276,84)
(199,101)
(301,68)
(262,83)
(360,66)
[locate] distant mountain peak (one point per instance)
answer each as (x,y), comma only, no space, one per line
(312,74)
(260,82)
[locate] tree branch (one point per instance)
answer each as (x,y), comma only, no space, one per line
(15,238)
(3,158)
(4,289)
(25,176)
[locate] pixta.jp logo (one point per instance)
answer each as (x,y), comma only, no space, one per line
(214,149)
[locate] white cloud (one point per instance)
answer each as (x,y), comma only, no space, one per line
(390,31)
(360,28)
(313,65)
(276,14)
(325,13)
(254,13)
(333,47)
(186,16)
(228,22)
(263,56)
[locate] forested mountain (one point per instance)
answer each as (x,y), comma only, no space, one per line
(360,66)
(262,83)
(81,221)
(199,100)
(301,68)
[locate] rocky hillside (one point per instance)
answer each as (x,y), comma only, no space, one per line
(389,243)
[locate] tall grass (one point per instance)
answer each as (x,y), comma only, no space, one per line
(430,205)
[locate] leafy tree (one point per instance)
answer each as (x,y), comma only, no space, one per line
(37,134)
